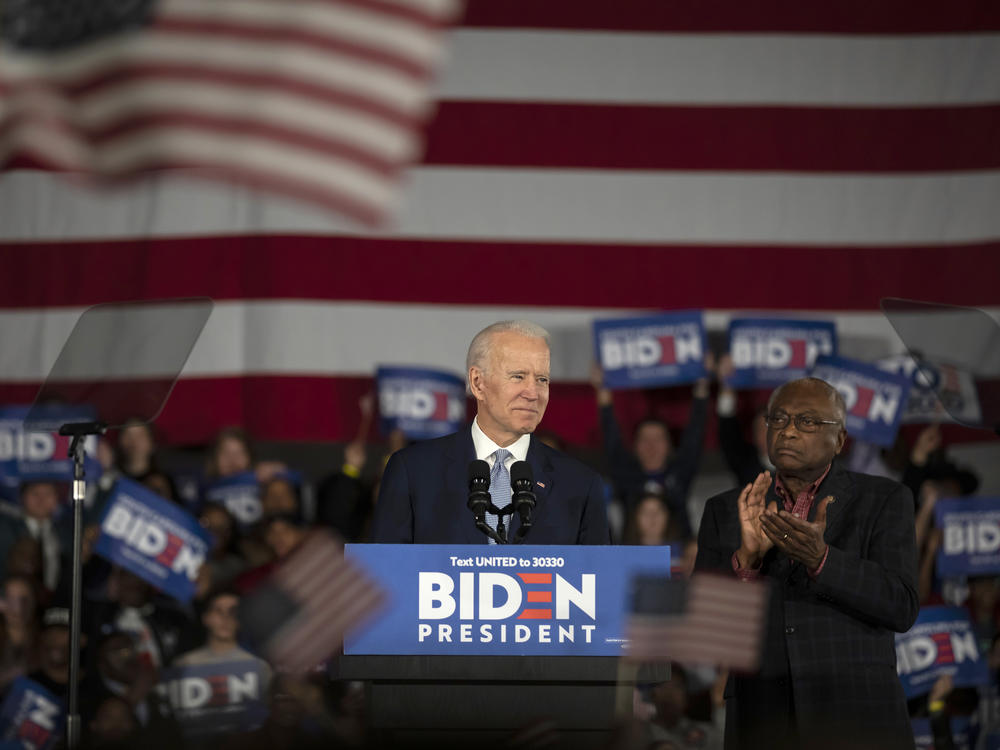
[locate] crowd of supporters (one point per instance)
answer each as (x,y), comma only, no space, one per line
(132,631)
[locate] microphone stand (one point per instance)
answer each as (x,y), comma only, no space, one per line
(78,432)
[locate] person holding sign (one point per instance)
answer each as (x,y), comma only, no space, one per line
(425,488)
(654,463)
(839,551)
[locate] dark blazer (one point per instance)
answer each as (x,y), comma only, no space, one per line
(425,488)
(829,644)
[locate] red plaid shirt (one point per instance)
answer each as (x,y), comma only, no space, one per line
(798,507)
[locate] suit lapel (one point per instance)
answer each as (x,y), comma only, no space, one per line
(542,471)
(460,453)
(839,484)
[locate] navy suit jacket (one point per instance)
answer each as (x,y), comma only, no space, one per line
(425,488)
(829,639)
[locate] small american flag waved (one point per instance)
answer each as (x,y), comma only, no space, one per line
(710,619)
(319,99)
(319,596)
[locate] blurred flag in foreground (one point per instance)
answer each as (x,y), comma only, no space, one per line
(319,99)
(708,619)
(299,617)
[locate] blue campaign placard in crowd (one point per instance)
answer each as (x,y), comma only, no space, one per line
(240,495)
(504,600)
(667,349)
(31,717)
(875,399)
(767,352)
(963,733)
(938,392)
(970,536)
(153,538)
(216,699)
(941,642)
(423,403)
(41,456)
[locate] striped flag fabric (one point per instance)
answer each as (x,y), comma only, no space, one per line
(311,601)
(707,619)
(799,158)
(320,99)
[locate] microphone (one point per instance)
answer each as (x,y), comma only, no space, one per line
(479,499)
(479,483)
(521,481)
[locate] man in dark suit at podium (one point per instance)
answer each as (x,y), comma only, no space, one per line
(425,487)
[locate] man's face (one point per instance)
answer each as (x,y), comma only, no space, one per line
(232,457)
(53,653)
(118,658)
(279,497)
(513,391)
(135,441)
(804,453)
(652,446)
(221,617)
(282,537)
(40,500)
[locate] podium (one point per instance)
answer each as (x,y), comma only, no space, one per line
(551,658)
(483,701)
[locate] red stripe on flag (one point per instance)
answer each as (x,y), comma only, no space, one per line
(722,624)
(581,136)
(295,38)
(353,268)
(320,41)
(179,71)
(180,118)
(844,16)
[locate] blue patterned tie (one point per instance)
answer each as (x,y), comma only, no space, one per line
(499,487)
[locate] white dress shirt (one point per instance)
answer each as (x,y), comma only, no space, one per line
(485,448)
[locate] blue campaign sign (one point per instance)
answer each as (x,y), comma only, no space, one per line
(215,699)
(41,456)
(970,536)
(963,733)
(240,495)
(422,403)
(875,399)
(667,349)
(767,352)
(505,600)
(31,717)
(941,642)
(153,538)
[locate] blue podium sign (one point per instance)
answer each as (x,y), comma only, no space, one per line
(504,600)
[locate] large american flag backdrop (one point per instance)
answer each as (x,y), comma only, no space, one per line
(585,159)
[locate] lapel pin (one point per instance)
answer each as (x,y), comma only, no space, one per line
(541,484)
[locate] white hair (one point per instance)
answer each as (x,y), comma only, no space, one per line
(482,342)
